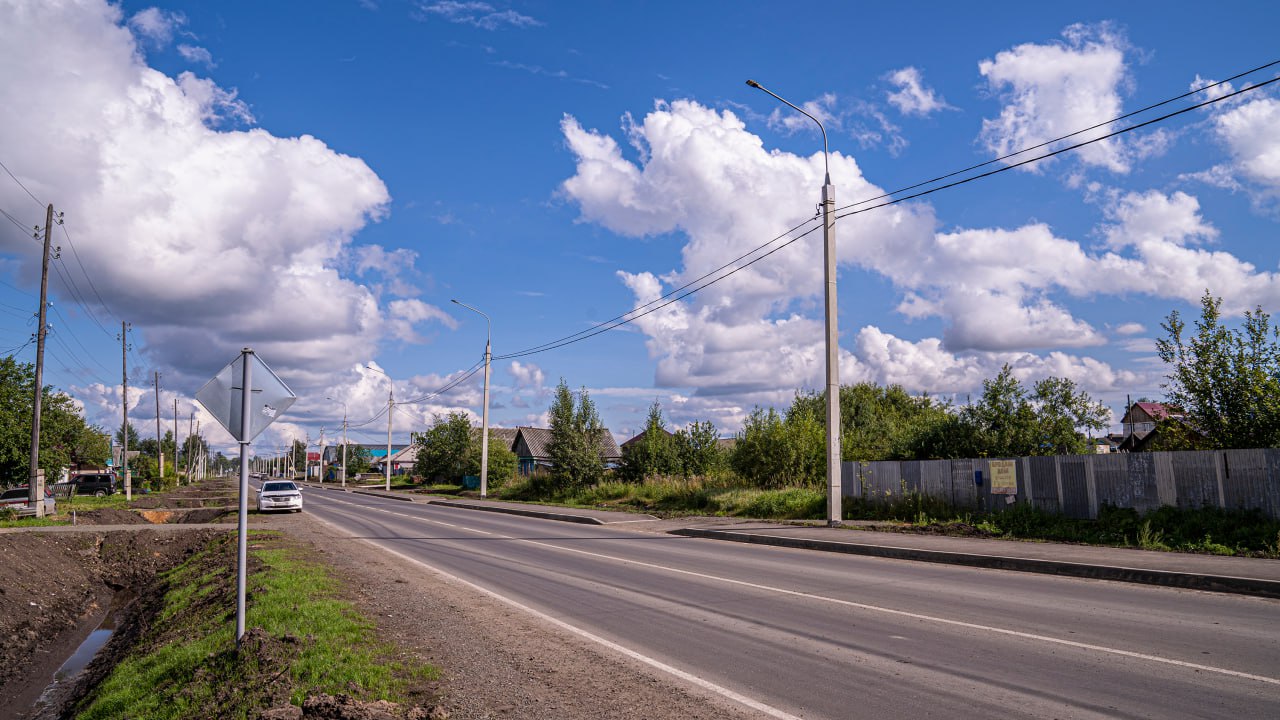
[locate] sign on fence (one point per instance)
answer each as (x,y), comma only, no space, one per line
(1004,478)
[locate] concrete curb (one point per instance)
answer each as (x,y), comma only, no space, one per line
(1212,583)
(371,493)
(544,514)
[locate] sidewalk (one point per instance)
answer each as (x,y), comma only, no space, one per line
(1248,576)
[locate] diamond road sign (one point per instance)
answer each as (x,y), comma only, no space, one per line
(223,395)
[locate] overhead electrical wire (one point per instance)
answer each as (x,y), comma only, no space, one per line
(1059,151)
(24,187)
(1046,143)
(17,223)
(447,386)
(623,319)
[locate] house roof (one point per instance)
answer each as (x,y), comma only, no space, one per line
(539,439)
(504,435)
(640,437)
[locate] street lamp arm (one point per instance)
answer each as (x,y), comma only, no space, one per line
(488,323)
(825,152)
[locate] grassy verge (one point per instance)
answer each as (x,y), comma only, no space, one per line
(302,639)
(1203,530)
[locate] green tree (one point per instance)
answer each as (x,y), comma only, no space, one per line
(134,439)
(574,447)
(502,462)
(697,449)
(443,449)
(359,459)
(1062,411)
(90,447)
(653,454)
(1010,422)
(1226,381)
(61,425)
(774,450)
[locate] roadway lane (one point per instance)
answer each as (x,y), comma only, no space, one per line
(821,635)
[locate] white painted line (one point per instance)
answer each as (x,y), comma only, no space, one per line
(919,616)
(626,651)
(892,611)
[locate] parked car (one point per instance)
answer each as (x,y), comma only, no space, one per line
(19,498)
(99,484)
(279,495)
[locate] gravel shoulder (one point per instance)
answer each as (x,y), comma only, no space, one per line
(497,661)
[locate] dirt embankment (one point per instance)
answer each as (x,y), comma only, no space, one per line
(56,586)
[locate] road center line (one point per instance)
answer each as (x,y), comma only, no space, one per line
(892,611)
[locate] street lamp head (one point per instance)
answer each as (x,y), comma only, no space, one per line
(753,83)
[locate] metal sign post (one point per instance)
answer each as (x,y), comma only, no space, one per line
(245,409)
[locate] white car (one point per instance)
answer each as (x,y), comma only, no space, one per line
(279,495)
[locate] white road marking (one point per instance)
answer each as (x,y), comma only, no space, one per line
(892,611)
(626,651)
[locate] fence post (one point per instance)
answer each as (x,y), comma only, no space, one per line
(1090,485)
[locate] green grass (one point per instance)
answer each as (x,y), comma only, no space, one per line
(1202,530)
(32,522)
(312,640)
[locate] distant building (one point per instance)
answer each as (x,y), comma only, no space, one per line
(1141,424)
(530,448)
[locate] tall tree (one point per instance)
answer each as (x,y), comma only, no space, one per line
(575,440)
(697,449)
(61,424)
(1226,381)
(443,449)
(654,453)
(134,442)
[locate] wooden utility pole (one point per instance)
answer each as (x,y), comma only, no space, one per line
(35,487)
(159,437)
(124,429)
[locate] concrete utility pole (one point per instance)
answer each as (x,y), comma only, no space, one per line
(177,448)
(191,434)
(124,429)
(484,417)
(344,439)
(159,437)
(34,486)
(391,406)
(834,497)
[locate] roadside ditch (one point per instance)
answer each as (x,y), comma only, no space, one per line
(81,606)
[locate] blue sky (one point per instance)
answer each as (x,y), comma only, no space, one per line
(319,180)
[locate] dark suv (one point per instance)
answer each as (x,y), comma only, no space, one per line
(100,484)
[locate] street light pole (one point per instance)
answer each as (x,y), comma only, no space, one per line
(834,497)
(391,405)
(484,416)
(344,441)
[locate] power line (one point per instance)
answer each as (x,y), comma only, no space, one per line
(1059,151)
(24,187)
(623,319)
(25,230)
(561,341)
(447,386)
(76,255)
(604,327)
(1060,139)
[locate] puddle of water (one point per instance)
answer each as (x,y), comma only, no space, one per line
(75,664)
(80,659)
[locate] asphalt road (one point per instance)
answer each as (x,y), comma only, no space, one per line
(795,633)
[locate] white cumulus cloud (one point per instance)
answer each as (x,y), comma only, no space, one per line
(1057,88)
(206,240)
(913,97)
